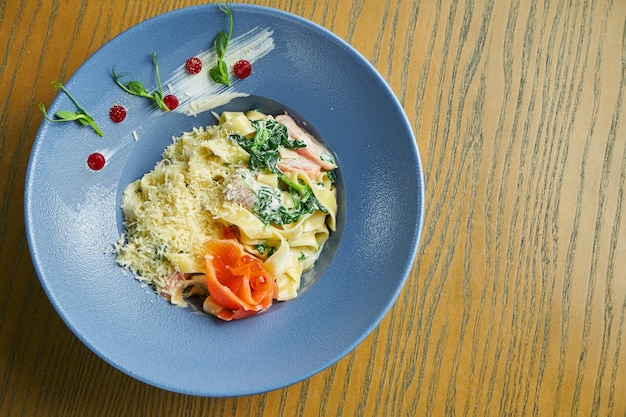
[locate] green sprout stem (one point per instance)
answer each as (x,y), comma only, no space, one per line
(158,77)
(136,88)
(219,73)
(81,115)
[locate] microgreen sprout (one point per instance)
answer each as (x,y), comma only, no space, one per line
(136,88)
(81,115)
(219,73)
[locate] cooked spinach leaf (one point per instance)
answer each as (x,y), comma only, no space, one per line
(263,150)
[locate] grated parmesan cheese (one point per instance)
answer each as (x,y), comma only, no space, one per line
(189,179)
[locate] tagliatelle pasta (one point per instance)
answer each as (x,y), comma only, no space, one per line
(254,189)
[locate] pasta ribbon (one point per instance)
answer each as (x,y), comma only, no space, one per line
(256,180)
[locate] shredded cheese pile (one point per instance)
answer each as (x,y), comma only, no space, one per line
(189,179)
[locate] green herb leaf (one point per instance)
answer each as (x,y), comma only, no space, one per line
(80,115)
(268,205)
(265,249)
(219,73)
(263,150)
(131,87)
(136,88)
(158,98)
(87,120)
(216,75)
(83,120)
(220,44)
(66,115)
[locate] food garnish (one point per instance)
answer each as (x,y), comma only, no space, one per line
(219,73)
(238,283)
(171,101)
(117,113)
(242,68)
(264,155)
(193,65)
(136,88)
(232,216)
(96,161)
(80,115)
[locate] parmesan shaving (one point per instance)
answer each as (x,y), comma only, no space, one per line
(189,179)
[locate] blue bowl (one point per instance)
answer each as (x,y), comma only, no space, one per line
(73,216)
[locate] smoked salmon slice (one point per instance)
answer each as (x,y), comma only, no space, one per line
(238,284)
(313,151)
(310,168)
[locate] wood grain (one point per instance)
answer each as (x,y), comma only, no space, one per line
(516,304)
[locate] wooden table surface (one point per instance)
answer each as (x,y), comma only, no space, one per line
(516,304)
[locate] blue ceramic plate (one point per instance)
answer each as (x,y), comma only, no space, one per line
(73,216)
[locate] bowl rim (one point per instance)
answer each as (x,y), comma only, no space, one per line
(417,228)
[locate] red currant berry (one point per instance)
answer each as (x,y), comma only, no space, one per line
(242,69)
(193,65)
(117,113)
(171,101)
(96,161)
